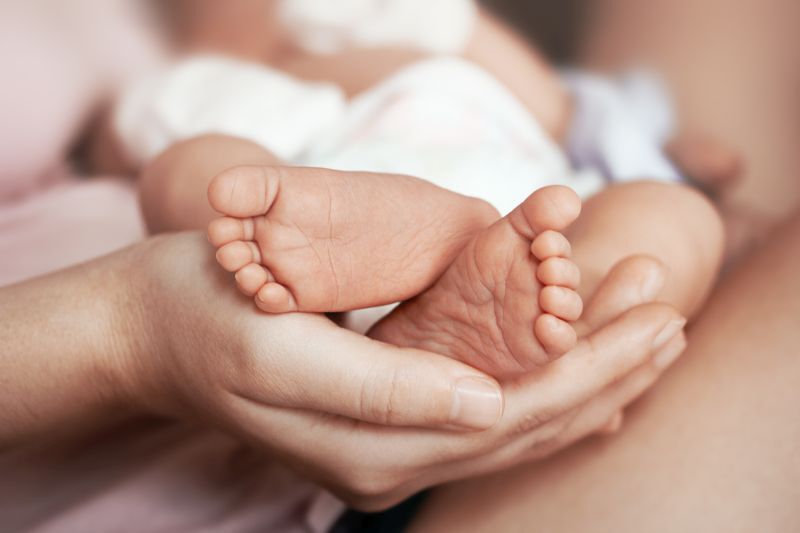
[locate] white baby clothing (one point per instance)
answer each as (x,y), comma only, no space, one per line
(443,119)
(328,26)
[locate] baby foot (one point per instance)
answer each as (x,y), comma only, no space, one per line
(317,240)
(504,304)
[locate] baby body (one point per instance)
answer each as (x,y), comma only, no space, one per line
(497,293)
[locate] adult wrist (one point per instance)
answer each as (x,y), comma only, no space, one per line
(132,350)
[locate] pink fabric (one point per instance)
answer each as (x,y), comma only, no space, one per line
(150,476)
(58,58)
(66,223)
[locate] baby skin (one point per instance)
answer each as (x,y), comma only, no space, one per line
(500,293)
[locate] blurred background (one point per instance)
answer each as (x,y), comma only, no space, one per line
(733,67)
(554,26)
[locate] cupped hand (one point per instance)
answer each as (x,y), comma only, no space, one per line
(211,353)
(372,422)
(373,467)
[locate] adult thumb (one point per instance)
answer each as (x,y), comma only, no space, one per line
(340,372)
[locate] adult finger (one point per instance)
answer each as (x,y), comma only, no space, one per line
(604,412)
(599,360)
(332,370)
(633,281)
(619,395)
(544,408)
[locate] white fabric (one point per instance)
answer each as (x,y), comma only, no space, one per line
(449,121)
(328,26)
(444,119)
(211,94)
(620,126)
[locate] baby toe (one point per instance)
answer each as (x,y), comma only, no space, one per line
(275,298)
(561,302)
(559,272)
(250,278)
(556,336)
(235,255)
(550,244)
(223,230)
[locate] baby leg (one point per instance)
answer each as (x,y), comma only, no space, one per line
(518,65)
(173,186)
(674,224)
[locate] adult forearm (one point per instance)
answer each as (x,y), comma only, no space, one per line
(173,186)
(62,337)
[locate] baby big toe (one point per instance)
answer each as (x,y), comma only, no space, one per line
(559,272)
(561,302)
(556,336)
(551,208)
(235,255)
(244,191)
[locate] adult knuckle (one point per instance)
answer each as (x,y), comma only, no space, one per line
(642,381)
(594,349)
(368,398)
(364,484)
(525,424)
(383,392)
(531,421)
(552,433)
(372,504)
(473,446)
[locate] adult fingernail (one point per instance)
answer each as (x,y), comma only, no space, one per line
(668,332)
(670,352)
(477,403)
(653,283)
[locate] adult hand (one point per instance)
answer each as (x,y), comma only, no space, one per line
(373,467)
(210,352)
(277,381)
